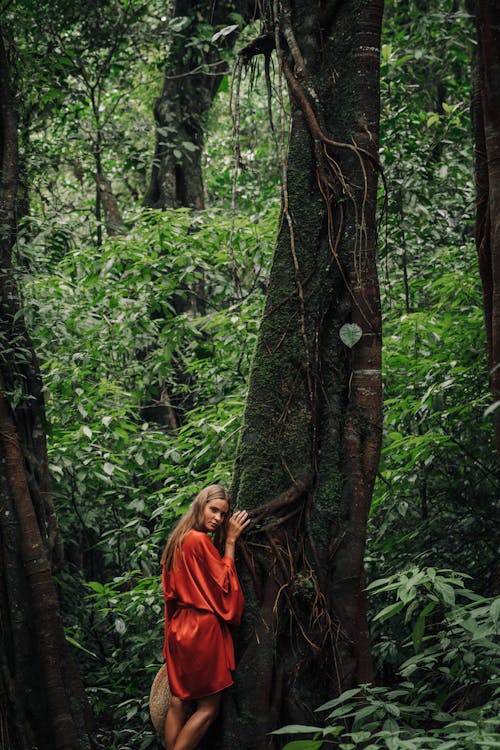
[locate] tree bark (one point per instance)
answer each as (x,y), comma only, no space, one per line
(312,426)
(42,701)
(193,72)
(188,91)
(486,111)
(112,216)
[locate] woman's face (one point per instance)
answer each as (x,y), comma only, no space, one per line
(214,514)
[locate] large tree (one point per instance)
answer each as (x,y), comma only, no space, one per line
(42,701)
(310,445)
(486,110)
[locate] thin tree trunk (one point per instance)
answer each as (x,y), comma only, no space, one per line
(112,216)
(486,110)
(192,76)
(309,449)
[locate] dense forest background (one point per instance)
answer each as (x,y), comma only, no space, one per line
(144,322)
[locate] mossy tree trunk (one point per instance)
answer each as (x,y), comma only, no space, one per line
(486,110)
(309,449)
(42,702)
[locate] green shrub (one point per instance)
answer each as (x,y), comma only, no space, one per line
(447,696)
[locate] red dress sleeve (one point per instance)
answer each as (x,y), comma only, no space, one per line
(213,577)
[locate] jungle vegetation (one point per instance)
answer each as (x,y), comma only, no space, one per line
(240,244)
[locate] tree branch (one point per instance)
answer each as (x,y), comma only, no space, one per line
(286,498)
(262,45)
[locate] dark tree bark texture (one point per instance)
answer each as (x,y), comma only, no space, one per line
(486,111)
(193,73)
(112,216)
(310,445)
(42,702)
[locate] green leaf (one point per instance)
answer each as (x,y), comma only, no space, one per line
(393,709)
(237,18)
(350,334)
(341,711)
(223,85)
(495,609)
(390,725)
(446,591)
(132,711)
(79,645)
(469,658)
(385,52)
(179,23)
(296,729)
(303,745)
(491,408)
(224,32)
(389,611)
(362,713)
(345,696)
(96,586)
(360,736)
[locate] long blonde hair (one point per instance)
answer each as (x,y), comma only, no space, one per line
(193,519)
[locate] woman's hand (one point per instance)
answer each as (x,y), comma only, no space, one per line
(236,524)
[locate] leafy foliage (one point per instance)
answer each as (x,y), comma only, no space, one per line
(116,353)
(436,496)
(447,693)
(107,333)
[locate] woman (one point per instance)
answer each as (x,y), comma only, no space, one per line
(202,597)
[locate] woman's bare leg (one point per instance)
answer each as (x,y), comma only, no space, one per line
(198,723)
(175,720)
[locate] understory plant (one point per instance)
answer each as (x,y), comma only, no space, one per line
(150,320)
(447,692)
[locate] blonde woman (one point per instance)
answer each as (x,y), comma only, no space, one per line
(202,598)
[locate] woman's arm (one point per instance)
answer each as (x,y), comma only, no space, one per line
(237,523)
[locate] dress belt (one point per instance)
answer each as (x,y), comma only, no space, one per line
(183,605)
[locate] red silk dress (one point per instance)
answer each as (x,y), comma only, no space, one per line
(202,598)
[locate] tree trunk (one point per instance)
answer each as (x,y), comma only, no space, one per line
(112,216)
(42,701)
(486,111)
(193,72)
(309,449)
(176,177)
